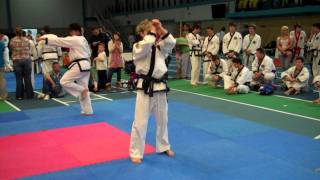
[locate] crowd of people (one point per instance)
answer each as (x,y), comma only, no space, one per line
(229,60)
(27,55)
(240,64)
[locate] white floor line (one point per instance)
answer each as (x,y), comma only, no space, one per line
(12,105)
(317,137)
(276,95)
(260,107)
(102,97)
(78,101)
(54,99)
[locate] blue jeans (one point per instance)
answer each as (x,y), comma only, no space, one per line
(22,71)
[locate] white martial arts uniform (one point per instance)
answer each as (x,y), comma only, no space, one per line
(49,54)
(79,71)
(240,79)
(298,43)
(210,44)
(216,70)
(302,78)
(6,55)
(34,57)
(317,80)
(231,42)
(314,49)
(151,98)
(252,45)
(266,66)
(195,44)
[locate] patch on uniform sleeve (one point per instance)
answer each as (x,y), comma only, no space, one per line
(235,38)
(253,42)
(262,66)
(317,38)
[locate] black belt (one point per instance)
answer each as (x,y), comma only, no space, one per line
(206,60)
(77,61)
(148,82)
(50,52)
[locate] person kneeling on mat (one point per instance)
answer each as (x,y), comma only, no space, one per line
(52,87)
(295,78)
(239,80)
(217,69)
(149,56)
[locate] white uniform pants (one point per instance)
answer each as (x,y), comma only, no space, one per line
(75,89)
(247,61)
(316,66)
(195,69)
(205,66)
(145,105)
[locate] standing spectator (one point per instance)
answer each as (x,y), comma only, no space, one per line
(182,51)
(284,45)
(96,38)
(4,38)
(101,66)
(21,58)
(299,40)
(3,88)
(115,47)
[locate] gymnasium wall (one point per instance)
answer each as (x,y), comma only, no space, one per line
(3,15)
(37,13)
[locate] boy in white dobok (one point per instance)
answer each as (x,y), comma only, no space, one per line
(149,56)
(217,69)
(195,44)
(210,47)
(231,45)
(251,42)
(263,69)
(75,80)
(295,78)
(239,80)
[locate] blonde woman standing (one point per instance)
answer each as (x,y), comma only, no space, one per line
(284,48)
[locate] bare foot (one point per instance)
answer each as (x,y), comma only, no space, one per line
(317,101)
(169,153)
(136,160)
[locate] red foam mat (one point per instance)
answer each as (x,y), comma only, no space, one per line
(58,149)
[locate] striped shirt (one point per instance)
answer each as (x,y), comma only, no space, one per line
(20,48)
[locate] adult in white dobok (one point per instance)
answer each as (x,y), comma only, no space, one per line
(295,78)
(149,56)
(217,69)
(210,47)
(195,43)
(75,80)
(231,44)
(239,80)
(314,49)
(49,54)
(298,37)
(251,42)
(263,69)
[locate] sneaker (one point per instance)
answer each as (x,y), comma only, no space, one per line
(46,97)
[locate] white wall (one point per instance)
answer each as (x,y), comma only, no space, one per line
(37,13)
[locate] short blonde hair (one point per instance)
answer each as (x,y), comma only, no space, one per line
(284,28)
(144,25)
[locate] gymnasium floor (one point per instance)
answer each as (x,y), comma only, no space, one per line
(215,136)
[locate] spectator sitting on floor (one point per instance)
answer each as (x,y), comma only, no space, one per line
(295,78)
(52,87)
